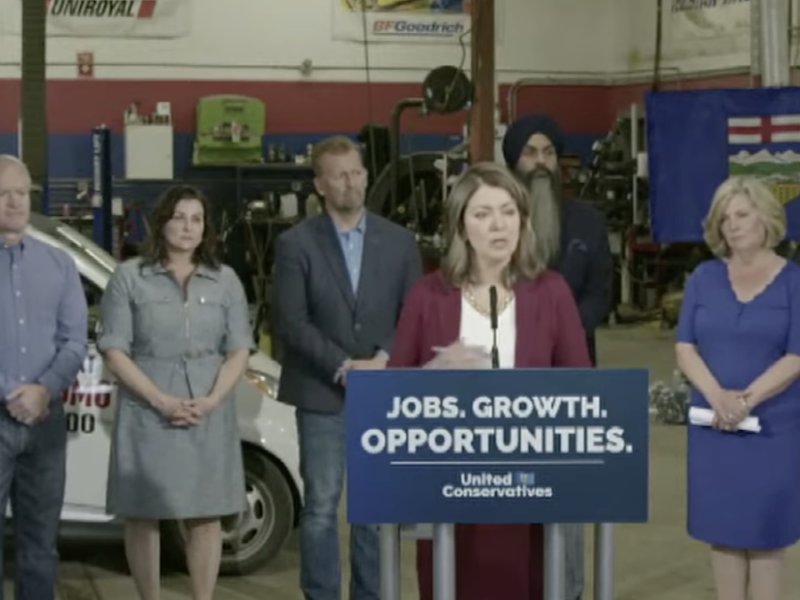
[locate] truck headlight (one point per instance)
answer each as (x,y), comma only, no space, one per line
(266,384)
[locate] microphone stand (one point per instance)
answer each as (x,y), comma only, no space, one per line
(493,316)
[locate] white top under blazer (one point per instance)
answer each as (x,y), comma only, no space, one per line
(476,330)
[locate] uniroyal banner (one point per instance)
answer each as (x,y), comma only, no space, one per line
(105,18)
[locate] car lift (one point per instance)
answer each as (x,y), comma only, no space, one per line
(102,195)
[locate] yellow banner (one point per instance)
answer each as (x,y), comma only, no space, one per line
(429,7)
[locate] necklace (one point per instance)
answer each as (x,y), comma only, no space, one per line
(473,302)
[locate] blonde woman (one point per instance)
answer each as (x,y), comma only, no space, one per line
(739,345)
(490,242)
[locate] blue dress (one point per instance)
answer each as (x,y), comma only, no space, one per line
(744,488)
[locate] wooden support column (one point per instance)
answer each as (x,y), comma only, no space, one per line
(33,107)
(481,130)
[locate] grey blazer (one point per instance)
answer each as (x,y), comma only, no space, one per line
(317,320)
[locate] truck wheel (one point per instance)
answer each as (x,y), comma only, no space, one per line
(253,538)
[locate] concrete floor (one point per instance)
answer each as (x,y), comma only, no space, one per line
(656,561)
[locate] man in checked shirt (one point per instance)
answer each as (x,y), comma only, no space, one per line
(43,320)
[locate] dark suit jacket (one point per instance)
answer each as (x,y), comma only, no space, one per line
(586,263)
(549,331)
(318,321)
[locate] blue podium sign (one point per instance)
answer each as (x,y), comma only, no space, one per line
(497,446)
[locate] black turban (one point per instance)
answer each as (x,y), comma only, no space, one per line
(522,129)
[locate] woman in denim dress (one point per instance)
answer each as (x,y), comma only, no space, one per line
(177,336)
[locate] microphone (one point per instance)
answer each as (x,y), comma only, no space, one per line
(493,317)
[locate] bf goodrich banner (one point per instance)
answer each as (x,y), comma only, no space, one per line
(415,21)
(105,18)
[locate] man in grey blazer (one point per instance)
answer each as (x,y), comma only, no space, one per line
(340,280)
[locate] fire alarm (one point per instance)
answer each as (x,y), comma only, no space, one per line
(85,64)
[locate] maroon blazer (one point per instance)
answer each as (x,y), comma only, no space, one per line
(549,330)
(494,561)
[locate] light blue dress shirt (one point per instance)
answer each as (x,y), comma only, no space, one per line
(352,243)
(43,317)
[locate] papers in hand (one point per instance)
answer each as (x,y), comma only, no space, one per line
(705,416)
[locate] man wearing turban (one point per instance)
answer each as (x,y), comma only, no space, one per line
(572,237)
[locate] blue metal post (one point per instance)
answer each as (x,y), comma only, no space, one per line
(102,216)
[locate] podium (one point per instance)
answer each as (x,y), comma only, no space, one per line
(521,446)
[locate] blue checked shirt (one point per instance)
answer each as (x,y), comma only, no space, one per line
(43,317)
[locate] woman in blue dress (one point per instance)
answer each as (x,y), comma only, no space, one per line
(739,345)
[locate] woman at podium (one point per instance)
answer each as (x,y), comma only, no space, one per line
(739,345)
(490,266)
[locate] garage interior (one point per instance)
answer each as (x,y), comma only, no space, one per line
(656,561)
(102,146)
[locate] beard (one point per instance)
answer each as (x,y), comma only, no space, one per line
(544,188)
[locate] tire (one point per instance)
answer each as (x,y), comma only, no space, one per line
(252,539)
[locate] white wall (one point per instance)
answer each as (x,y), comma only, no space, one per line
(576,40)
(263,40)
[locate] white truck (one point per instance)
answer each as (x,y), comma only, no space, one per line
(267,429)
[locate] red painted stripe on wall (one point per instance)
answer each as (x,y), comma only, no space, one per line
(76,106)
(9,100)
(624,96)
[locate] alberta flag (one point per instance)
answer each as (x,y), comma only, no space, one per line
(697,139)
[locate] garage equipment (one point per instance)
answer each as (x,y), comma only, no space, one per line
(410,190)
(102,200)
(616,181)
(445,90)
(229,130)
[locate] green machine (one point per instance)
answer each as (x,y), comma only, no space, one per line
(229,130)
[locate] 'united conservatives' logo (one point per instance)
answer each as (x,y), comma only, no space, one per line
(513,485)
(528,479)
